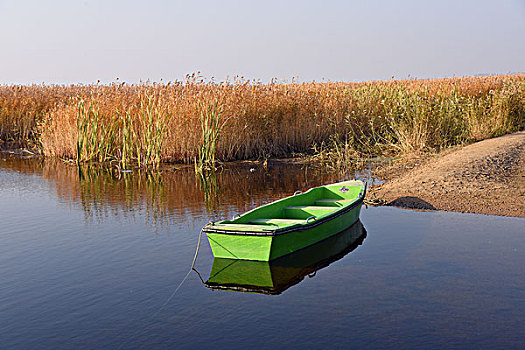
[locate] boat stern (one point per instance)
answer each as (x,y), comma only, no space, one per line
(235,246)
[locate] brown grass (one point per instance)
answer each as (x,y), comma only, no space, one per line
(263,120)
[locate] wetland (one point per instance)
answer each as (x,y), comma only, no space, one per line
(90,257)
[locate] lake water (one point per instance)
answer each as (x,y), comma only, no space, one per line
(90,258)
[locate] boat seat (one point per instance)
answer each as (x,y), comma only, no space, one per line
(278,222)
(332,202)
(306,211)
(309,207)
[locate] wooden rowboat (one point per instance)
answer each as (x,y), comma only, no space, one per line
(276,276)
(289,224)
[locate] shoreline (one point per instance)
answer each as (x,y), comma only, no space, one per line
(486,177)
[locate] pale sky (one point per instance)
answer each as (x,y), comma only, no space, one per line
(72,41)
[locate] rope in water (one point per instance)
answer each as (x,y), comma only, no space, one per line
(176,289)
(185,277)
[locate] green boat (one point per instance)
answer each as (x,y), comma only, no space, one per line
(289,224)
(276,276)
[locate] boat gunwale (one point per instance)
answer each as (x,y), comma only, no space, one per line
(298,227)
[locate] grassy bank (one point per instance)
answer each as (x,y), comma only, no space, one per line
(151,123)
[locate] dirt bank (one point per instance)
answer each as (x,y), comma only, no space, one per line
(486,177)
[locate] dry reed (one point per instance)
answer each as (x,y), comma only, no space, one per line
(150,123)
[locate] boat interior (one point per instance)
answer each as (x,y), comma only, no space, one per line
(298,209)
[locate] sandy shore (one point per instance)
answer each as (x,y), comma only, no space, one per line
(486,177)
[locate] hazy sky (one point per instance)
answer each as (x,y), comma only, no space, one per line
(84,41)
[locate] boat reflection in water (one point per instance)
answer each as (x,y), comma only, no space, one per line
(276,276)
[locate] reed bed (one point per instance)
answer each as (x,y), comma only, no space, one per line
(146,124)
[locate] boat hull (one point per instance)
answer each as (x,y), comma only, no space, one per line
(276,276)
(293,241)
(270,247)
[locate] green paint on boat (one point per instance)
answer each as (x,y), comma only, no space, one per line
(289,224)
(274,277)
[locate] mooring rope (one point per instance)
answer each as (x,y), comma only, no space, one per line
(185,277)
(175,291)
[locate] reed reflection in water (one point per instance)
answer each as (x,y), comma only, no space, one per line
(173,192)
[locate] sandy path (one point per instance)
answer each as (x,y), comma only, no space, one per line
(486,177)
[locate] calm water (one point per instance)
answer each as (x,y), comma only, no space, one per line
(90,259)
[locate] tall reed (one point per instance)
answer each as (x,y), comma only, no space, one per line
(164,122)
(124,138)
(212,124)
(153,125)
(95,139)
